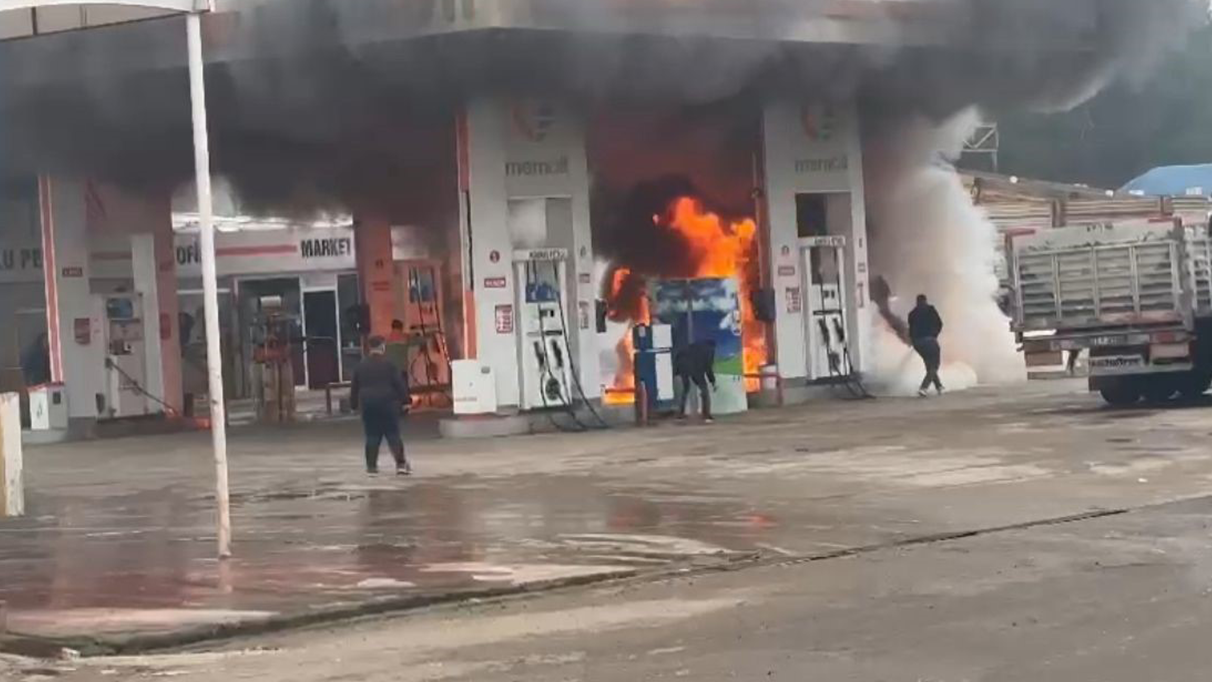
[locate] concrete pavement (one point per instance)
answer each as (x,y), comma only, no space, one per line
(1121,598)
(118,544)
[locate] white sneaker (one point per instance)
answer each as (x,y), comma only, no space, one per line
(921,393)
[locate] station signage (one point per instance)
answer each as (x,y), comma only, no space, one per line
(812,148)
(540,255)
(828,241)
(503,318)
(795,302)
(542,152)
(537,168)
(823,164)
(328,247)
(270,252)
(20,264)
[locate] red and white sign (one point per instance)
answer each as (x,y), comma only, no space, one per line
(503,318)
(795,302)
(83,330)
(494,283)
(270,251)
(786,271)
(74,272)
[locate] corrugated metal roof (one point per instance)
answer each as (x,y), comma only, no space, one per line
(1174,181)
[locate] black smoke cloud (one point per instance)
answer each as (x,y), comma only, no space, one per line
(319,104)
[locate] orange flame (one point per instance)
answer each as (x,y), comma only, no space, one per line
(622,391)
(718,248)
(727,249)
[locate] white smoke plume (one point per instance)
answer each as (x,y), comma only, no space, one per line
(928,238)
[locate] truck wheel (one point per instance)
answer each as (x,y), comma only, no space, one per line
(1121,394)
(1159,390)
(1194,386)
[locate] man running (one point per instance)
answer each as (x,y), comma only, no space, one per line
(925,325)
(380,390)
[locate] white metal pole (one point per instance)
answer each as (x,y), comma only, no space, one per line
(210,293)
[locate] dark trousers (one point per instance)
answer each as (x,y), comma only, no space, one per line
(932,356)
(382,421)
(699,380)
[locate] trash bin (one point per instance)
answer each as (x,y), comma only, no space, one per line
(48,407)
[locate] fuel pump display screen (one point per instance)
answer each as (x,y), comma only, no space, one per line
(120,308)
(541,284)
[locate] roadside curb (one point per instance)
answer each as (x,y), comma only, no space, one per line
(52,647)
(49,647)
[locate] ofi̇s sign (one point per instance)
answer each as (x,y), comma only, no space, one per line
(252,253)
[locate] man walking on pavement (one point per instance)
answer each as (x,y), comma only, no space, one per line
(695,363)
(925,325)
(381,392)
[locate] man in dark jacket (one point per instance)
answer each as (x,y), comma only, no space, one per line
(924,327)
(695,363)
(381,392)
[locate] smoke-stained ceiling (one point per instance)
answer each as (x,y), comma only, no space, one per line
(338,103)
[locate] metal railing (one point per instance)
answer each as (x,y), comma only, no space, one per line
(1108,282)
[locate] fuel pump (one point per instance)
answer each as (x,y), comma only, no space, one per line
(274,334)
(825,313)
(653,364)
(544,360)
(428,359)
(125,358)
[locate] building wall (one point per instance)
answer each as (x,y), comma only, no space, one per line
(514,150)
(75,319)
(814,149)
(85,232)
(377,272)
(22,293)
(28,22)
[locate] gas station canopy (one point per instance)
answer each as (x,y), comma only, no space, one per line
(176,5)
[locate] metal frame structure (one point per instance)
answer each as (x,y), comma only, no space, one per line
(193,9)
(986,141)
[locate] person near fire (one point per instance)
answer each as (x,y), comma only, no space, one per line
(925,325)
(695,363)
(380,391)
